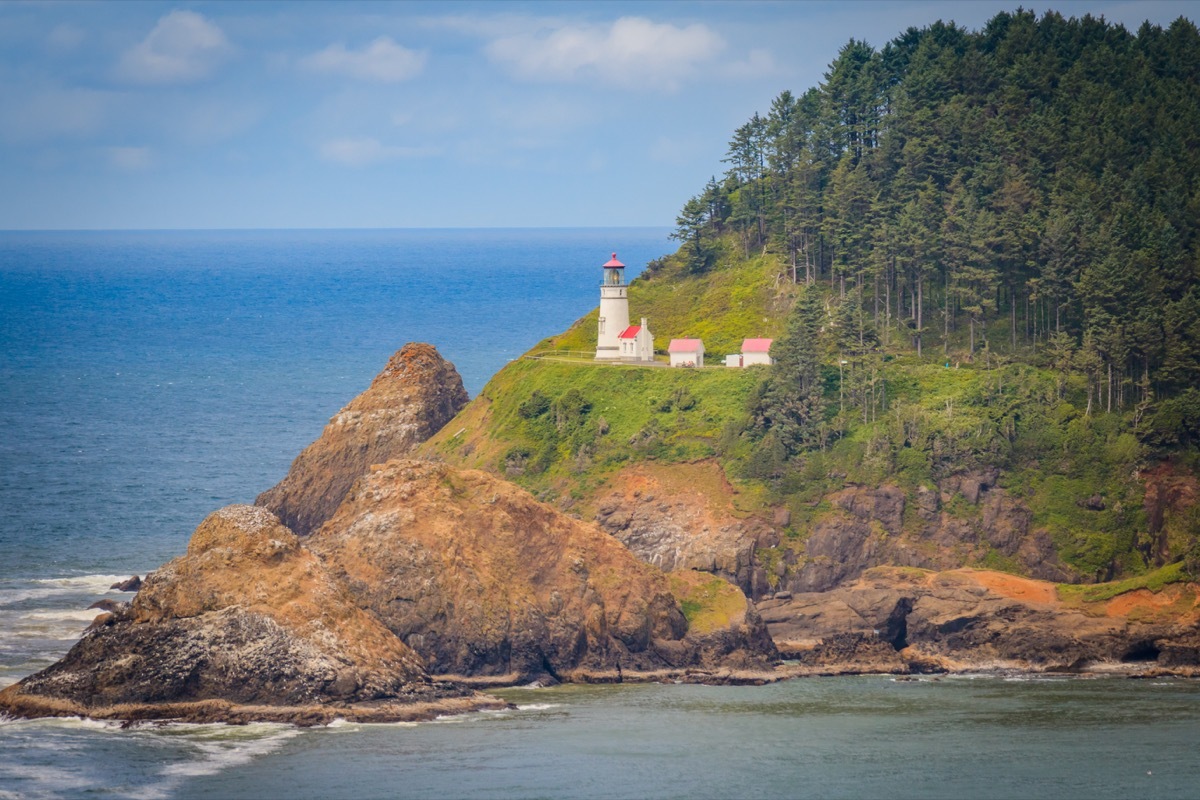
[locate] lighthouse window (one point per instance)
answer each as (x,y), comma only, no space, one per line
(602,325)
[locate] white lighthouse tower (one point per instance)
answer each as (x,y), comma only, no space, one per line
(614,310)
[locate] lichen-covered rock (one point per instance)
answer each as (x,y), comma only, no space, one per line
(247,617)
(482,579)
(866,528)
(410,400)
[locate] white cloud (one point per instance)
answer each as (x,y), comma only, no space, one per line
(130,158)
(364,150)
(382,60)
(183,47)
(633,51)
(489,26)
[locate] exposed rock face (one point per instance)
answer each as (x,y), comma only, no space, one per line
(900,620)
(867,529)
(481,579)
(248,618)
(1170,494)
(680,518)
(410,400)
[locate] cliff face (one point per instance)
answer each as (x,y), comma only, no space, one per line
(409,401)
(876,526)
(681,517)
(248,618)
(481,579)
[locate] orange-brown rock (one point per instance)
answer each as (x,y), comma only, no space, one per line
(482,579)
(680,517)
(410,400)
(900,619)
(247,619)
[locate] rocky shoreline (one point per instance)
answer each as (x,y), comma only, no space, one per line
(374,587)
(28,706)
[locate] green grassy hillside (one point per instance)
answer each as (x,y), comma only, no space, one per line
(562,426)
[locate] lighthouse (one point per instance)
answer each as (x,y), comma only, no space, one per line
(614,310)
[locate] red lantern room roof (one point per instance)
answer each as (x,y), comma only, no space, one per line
(614,264)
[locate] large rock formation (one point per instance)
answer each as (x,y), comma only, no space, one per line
(901,619)
(247,625)
(480,578)
(410,400)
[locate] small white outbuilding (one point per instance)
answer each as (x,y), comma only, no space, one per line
(756,351)
(686,353)
(636,343)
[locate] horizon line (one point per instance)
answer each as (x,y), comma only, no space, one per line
(364,228)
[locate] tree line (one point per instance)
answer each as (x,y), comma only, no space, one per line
(1029,188)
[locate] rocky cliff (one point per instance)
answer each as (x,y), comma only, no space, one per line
(681,517)
(868,526)
(902,619)
(247,625)
(409,401)
(480,578)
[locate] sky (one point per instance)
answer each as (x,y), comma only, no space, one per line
(152,115)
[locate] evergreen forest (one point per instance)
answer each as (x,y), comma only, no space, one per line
(1027,191)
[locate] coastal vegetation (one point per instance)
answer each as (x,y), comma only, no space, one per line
(977,253)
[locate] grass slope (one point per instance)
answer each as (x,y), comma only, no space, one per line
(561,428)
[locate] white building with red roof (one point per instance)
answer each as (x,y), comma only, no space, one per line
(756,351)
(686,353)
(636,343)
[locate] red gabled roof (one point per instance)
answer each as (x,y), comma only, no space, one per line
(614,264)
(629,333)
(757,345)
(684,346)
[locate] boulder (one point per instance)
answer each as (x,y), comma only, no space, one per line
(107,604)
(131,584)
(978,619)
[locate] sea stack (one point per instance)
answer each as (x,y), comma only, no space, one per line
(410,400)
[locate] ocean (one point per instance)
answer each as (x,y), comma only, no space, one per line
(148,378)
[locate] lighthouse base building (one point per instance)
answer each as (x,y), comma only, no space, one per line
(636,343)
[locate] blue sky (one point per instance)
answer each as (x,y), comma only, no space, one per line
(452,114)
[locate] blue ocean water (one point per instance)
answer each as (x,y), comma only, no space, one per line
(148,378)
